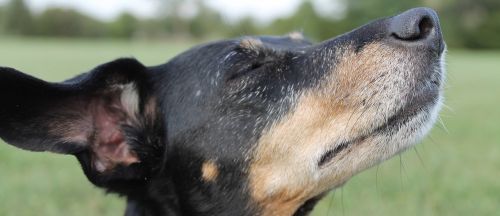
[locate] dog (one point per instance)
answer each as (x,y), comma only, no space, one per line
(248,126)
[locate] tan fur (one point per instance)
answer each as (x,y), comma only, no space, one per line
(251,43)
(209,171)
(284,173)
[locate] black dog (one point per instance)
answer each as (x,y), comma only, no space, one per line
(249,126)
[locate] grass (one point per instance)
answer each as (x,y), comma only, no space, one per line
(454,172)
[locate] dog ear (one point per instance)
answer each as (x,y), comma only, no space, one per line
(90,113)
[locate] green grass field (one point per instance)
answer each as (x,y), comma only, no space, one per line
(455,172)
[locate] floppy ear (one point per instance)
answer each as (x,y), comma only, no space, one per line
(92,113)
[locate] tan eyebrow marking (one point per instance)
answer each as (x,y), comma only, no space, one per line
(209,171)
(251,43)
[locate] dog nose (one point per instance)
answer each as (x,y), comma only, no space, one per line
(418,25)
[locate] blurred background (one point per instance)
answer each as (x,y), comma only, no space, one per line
(455,171)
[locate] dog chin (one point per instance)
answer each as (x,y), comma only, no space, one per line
(424,106)
(402,133)
(411,131)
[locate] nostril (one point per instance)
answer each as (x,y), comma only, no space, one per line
(416,27)
(415,30)
(425,27)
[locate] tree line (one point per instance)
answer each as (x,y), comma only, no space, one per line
(471,24)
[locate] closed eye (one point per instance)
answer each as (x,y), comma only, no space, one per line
(256,67)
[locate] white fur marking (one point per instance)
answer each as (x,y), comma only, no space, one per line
(130,99)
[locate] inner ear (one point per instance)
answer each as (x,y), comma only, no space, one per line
(111,111)
(98,113)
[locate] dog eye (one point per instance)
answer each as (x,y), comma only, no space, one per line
(247,71)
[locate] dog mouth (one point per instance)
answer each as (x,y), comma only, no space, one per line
(420,102)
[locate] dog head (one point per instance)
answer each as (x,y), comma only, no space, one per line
(254,125)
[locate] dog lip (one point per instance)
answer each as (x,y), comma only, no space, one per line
(417,104)
(332,153)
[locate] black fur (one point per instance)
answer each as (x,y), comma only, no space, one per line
(211,103)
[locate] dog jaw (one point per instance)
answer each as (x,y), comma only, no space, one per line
(354,104)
